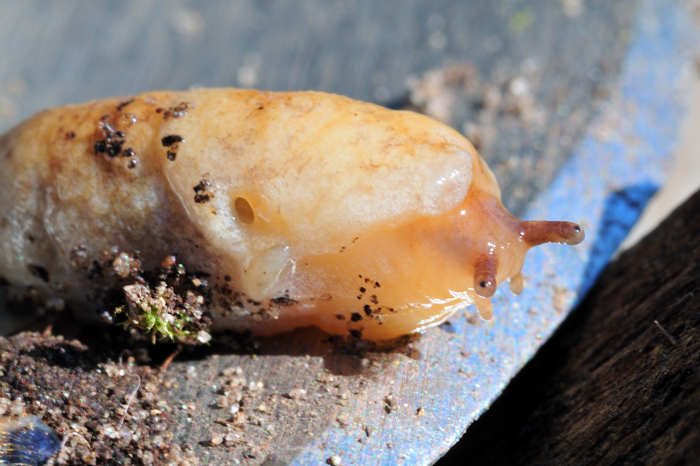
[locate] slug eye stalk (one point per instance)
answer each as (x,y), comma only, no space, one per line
(539,232)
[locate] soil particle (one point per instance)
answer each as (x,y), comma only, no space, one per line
(112,407)
(203,192)
(172,142)
(297,393)
(216,439)
(178,111)
(389,404)
(169,303)
(168,141)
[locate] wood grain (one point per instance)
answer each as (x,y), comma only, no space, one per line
(398,406)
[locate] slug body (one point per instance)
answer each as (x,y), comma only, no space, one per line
(286,210)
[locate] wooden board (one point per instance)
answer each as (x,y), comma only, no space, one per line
(364,406)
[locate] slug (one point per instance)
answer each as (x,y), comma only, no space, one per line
(225,209)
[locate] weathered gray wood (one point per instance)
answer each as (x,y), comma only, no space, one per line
(70,51)
(612,386)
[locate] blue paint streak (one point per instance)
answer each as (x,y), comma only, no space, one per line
(26,441)
(622,210)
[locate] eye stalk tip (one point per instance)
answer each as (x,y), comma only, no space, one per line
(539,232)
(485,276)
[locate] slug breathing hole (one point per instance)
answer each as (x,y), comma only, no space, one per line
(244,211)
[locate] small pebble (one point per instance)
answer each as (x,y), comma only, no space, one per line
(4,406)
(297,393)
(216,439)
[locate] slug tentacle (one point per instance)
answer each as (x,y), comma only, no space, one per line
(485,275)
(516,284)
(540,232)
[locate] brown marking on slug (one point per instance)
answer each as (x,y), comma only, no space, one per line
(202,192)
(172,142)
(178,111)
(121,106)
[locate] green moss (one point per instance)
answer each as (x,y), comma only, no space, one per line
(151,321)
(162,314)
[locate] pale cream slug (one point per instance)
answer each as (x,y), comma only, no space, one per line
(284,210)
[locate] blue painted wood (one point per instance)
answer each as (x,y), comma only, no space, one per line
(609,177)
(135,46)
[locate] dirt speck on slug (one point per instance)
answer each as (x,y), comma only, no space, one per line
(113,140)
(172,142)
(283,301)
(178,111)
(168,141)
(203,192)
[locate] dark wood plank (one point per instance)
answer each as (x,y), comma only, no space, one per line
(612,386)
